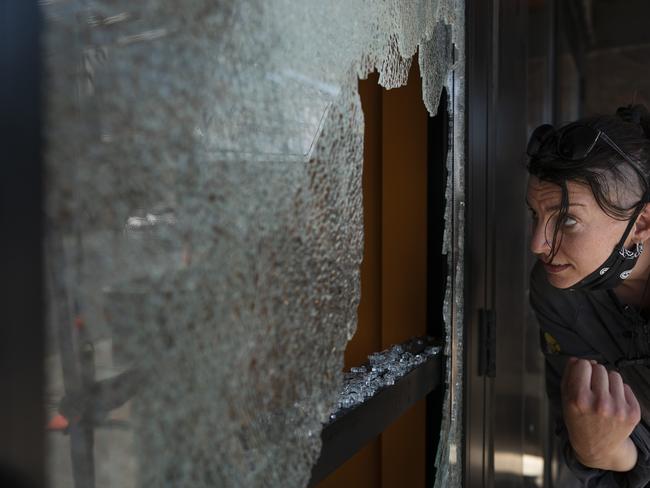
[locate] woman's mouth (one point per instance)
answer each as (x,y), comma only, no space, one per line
(555,268)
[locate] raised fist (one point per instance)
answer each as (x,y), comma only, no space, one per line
(600,412)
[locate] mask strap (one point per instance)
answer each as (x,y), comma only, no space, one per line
(628,229)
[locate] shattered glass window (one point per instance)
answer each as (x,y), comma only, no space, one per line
(204,228)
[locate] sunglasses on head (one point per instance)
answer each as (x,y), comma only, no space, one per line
(571,143)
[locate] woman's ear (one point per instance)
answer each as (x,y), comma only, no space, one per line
(642,227)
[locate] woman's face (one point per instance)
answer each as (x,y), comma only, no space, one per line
(588,236)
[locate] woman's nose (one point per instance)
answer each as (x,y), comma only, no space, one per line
(538,242)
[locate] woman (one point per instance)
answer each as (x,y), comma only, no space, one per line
(588,191)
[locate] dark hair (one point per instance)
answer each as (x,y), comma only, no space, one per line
(619,188)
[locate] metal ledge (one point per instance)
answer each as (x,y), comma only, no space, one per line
(354,428)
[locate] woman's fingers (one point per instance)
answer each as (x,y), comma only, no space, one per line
(631,400)
(589,387)
(616,389)
(599,381)
(577,375)
(576,384)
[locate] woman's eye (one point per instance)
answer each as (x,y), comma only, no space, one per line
(570,222)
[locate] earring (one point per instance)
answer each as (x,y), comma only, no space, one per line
(639,249)
(627,254)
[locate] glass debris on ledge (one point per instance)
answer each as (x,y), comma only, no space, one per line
(383,369)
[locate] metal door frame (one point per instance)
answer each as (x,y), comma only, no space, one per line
(496,253)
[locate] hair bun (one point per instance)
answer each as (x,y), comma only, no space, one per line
(637,114)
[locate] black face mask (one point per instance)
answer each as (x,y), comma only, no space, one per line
(616,268)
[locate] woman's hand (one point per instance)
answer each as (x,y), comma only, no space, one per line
(600,412)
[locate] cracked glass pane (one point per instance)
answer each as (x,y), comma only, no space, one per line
(204,227)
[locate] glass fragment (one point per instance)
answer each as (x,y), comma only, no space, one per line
(383,369)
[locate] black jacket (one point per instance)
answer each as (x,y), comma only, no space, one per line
(595,325)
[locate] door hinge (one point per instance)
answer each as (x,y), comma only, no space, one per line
(487,360)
